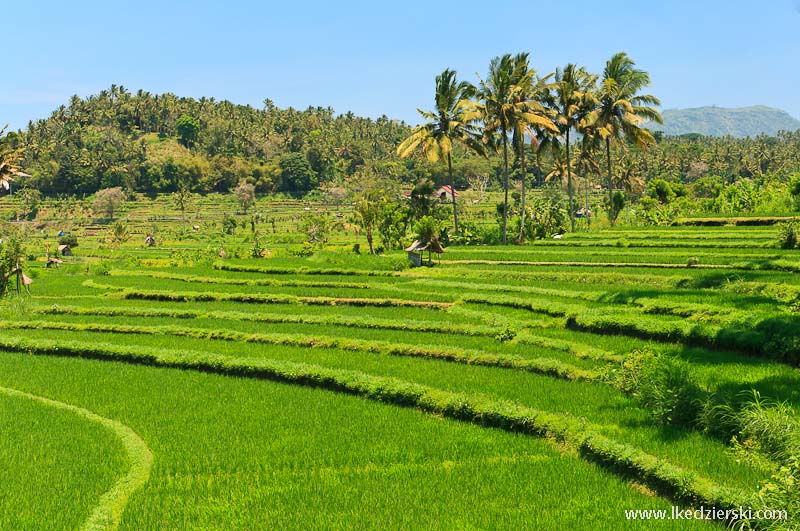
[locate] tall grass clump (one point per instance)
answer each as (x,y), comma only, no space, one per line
(661,384)
(787,235)
(773,427)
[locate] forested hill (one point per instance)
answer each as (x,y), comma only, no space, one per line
(717,121)
(150,142)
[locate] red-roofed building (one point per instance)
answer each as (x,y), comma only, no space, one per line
(445,193)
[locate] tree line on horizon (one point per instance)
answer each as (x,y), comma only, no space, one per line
(513,130)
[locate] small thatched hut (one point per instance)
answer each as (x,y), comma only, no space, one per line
(417,248)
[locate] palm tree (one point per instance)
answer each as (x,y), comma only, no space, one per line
(558,170)
(622,110)
(446,125)
(9,162)
(573,100)
(630,175)
(525,124)
(504,108)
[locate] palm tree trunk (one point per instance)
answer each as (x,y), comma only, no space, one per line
(505,182)
(586,212)
(524,177)
(452,192)
(612,215)
(569,188)
(539,167)
(369,240)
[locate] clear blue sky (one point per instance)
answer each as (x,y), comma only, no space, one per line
(380,58)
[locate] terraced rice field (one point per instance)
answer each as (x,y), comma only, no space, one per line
(291,393)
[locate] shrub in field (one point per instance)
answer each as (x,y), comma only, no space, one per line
(257,250)
(774,426)
(663,386)
(102,269)
(69,239)
(717,417)
(469,234)
(506,335)
(787,235)
(229,224)
(661,190)
(302,251)
(316,226)
(780,493)
(118,234)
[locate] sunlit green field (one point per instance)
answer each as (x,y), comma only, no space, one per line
(344,391)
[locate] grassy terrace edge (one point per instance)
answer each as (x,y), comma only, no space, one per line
(546,366)
(367,323)
(201,296)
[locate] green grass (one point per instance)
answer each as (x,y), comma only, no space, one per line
(50,455)
(614,415)
(492,336)
(237,454)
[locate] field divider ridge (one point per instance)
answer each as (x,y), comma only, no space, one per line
(545,366)
(187,296)
(335,320)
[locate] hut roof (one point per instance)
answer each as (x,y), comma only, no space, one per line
(446,189)
(433,246)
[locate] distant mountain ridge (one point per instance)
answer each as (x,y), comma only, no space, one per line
(718,121)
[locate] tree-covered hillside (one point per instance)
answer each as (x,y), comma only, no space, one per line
(717,121)
(150,143)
